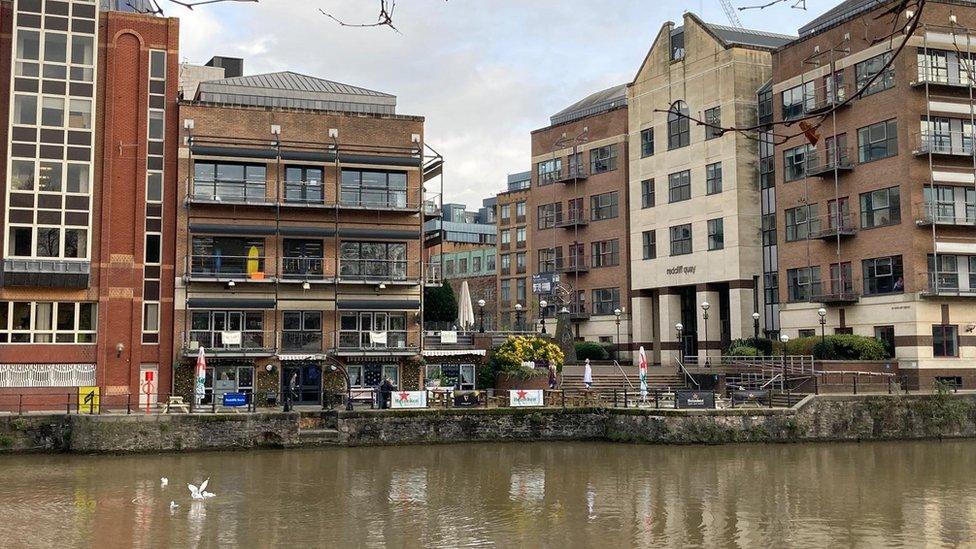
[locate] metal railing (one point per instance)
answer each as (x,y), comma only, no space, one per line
(304,192)
(948,143)
(573,218)
(572,263)
(940,75)
(302,341)
(833,225)
(306,268)
(944,213)
(433,204)
(376,199)
(227,266)
(379,270)
(824,97)
(837,290)
(822,163)
(360,340)
(946,283)
(231,341)
(231,191)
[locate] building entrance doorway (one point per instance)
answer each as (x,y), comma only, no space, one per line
(308,382)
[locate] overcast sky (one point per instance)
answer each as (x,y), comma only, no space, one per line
(484,73)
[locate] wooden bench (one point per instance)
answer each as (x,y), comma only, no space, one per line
(175,402)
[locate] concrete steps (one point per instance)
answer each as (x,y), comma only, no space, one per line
(607,379)
(318,437)
(784,400)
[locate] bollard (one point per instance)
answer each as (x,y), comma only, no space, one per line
(855,384)
(562,397)
(816,385)
(657,400)
(20,405)
(128,404)
(625,398)
(614,398)
(67,406)
(213,403)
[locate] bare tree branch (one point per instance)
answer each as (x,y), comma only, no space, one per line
(383,19)
(153,7)
(797,4)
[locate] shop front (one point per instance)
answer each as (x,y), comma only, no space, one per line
(227,377)
(302,381)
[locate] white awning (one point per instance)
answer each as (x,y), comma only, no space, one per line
(291,358)
(454,352)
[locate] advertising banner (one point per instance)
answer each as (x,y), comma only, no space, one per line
(750,397)
(235,400)
(408,399)
(466,399)
(522,398)
(694,400)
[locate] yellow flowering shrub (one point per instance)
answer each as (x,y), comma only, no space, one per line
(518,349)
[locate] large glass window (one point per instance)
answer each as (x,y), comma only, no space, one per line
(940,203)
(606,301)
(48,322)
(801,222)
(25,110)
(549,170)
(877,141)
(606,253)
(880,208)
(679,186)
(681,239)
(549,215)
(604,206)
(679,130)
(865,71)
(374,189)
(303,259)
(713,178)
(647,193)
(647,142)
(230,182)
(229,330)
(798,100)
(883,275)
(301,331)
(794,162)
(373,260)
(945,341)
(802,284)
(603,159)
(716,234)
(304,184)
(227,256)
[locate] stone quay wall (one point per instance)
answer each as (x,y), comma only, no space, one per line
(815,419)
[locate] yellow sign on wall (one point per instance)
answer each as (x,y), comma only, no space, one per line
(88,400)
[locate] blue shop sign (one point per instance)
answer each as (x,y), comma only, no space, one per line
(235,400)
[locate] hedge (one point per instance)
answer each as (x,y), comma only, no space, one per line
(839,347)
(591,350)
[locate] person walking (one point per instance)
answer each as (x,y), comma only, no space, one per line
(386,390)
(553,380)
(587,375)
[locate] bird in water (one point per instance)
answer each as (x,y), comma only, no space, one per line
(163,482)
(201,492)
(172,506)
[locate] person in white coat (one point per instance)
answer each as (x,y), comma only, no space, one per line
(587,375)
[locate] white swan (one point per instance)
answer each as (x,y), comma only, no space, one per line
(201,492)
(163,482)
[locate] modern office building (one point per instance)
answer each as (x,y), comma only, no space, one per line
(300,233)
(875,204)
(579,230)
(694,190)
(88,124)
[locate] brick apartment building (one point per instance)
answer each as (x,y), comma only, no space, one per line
(579,205)
(88,131)
(875,220)
(300,236)
(515,309)
(694,192)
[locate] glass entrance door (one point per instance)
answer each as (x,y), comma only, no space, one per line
(308,382)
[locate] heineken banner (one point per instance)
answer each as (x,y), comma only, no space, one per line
(743,397)
(466,399)
(523,398)
(408,399)
(694,399)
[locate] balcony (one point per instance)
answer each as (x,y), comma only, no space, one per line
(300,342)
(947,284)
(300,194)
(834,226)
(929,74)
(825,164)
(223,268)
(573,220)
(836,291)
(823,99)
(578,312)
(944,214)
(230,192)
(397,272)
(230,343)
(307,269)
(946,144)
(433,206)
(573,264)
(373,199)
(45,273)
(433,275)
(384,343)
(571,175)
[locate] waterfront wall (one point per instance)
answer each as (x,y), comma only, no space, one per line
(816,419)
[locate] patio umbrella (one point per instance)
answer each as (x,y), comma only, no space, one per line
(643,373)
(201,375)
(465,309)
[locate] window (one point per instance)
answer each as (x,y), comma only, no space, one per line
(303,259)
(506,213)
(462,266)
(802,284)
(769,229)
(576,165)
(679,132)
(647,142)
(865,71)
(794,162)
(713,119)
(520,237)
(506,263)
(945,341)
(154,249)
(806,332)
(304,184)
(767,161)
(549,215)
(359,330)
(52,112)
(520,292)
(801,221)
(490,262)
(943,272)
(604,206)
(880,208)
(681,239)
(373,188)
(150,317)
(549,170)
(679,186)
(716,234)
(373,260)
(606,301)
(230,182)
(506,290)
(550,259)
(650,244)
(877,141)
(841,279)
(476,263)
(678,46)
(520,210)
(713,178)
(771,287)
(883,275)
(79,177)
(647,193)
(520,262)
(603,159)
(48,322)
(798,100)
(606,253)
(301,331)
(886,335)
(25,110)
(506,237)
(214,256)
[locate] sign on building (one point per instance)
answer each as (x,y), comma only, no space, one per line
(234,400)
(525,398)
(408,399)
(544,283)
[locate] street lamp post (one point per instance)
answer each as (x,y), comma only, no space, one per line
(518,317)
(542,313)
(681,344)
(616,350)
(823,324)
(784,339)
(755,325)
(481,311)
(705,306)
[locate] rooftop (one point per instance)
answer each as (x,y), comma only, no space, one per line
(843,11)
(748,37)
(293,90)
(596,103)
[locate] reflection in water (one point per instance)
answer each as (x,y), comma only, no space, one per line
(557,495)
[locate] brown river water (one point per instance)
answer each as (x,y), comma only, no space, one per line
(897,494)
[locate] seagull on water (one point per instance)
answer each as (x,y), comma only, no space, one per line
(201,492)
(173,505)
(163,482)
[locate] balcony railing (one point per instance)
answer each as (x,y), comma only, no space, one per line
(944,214)
(304,193)
(571,174)
(578,311)
(374,199)
(306,268)
(947,143)
(234,267)
(947,284)
(230,342)
(573,264)
(825,98)
(230,191)
(836,291)
(302,342)
(433,274)
(398,341)
(379,270)
(824,163)
(433,205)
(832,226)
(573,219)
(940,76)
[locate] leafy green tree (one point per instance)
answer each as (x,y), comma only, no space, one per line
(440,304)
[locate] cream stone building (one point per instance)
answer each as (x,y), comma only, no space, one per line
(694,191)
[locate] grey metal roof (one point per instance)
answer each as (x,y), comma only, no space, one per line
(599,102)
(293,90)
(520,176)
(750,37)
(840,12)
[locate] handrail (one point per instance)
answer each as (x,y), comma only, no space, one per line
(771,380)
(623,373)
(687,374)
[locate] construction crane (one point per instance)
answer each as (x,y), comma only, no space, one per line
(731,14)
